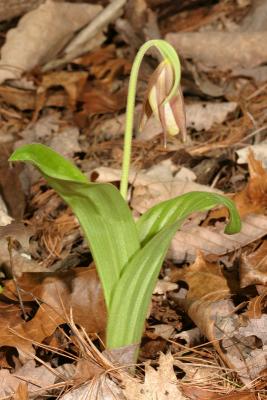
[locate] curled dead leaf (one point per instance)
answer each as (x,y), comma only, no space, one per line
(209,305)
(205,280)
(17,231)
(72,82)
(253,267)
(76,290)
(253,198)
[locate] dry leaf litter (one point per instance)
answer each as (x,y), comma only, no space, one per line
(64,73)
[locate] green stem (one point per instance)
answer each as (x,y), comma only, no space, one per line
(130,112)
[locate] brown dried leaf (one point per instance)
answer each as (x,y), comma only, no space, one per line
(219,323)
(238,396)
(41,34)
(102,388)
(193,392)
(253,199)
(15,383)
(162,287)
(253,267)
(259,151)
(202,116)
(191,337)
(251,204)
(78,290)
(199,116)
(212,240)
(109,71)
(17,231)
(5,219)
(37,377)
(205,280)
(21,99)
(86,370)
(10,318)
(198,393)
(256,327)
(16,262)
(21,392)
(26,99)
(208,305)
(257,74)
(257,305)
(161,330)
(99,101)
(72,82)
(21,263)
(9,10)
(105,66)
(10,186)
(8,383)
(52,131)
(97,57)
(199,374)
(160,384)
(235,49)
(114,127)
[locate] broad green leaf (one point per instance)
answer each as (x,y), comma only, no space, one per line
(156,229)
(133,292)
(179,208)
(102,212)
(49,162)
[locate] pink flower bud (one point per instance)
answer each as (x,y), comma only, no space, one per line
(170,112)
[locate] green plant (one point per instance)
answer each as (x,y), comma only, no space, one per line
(128,254)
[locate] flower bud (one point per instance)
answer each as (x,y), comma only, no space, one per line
(168,110)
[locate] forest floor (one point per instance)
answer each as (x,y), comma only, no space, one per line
(64,74)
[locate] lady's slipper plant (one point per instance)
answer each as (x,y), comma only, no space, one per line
(128,254)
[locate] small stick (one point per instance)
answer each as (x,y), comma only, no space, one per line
(108,15)
(81,43)
(257,92)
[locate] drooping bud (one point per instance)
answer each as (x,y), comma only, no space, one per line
(169,110)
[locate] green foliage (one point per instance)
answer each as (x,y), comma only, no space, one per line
(128,255)
(103,214)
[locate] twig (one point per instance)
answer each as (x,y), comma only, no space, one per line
(10,114)
(257,92)
(256,132)
(105,17)
(81,43)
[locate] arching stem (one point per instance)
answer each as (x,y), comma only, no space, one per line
(166,51)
